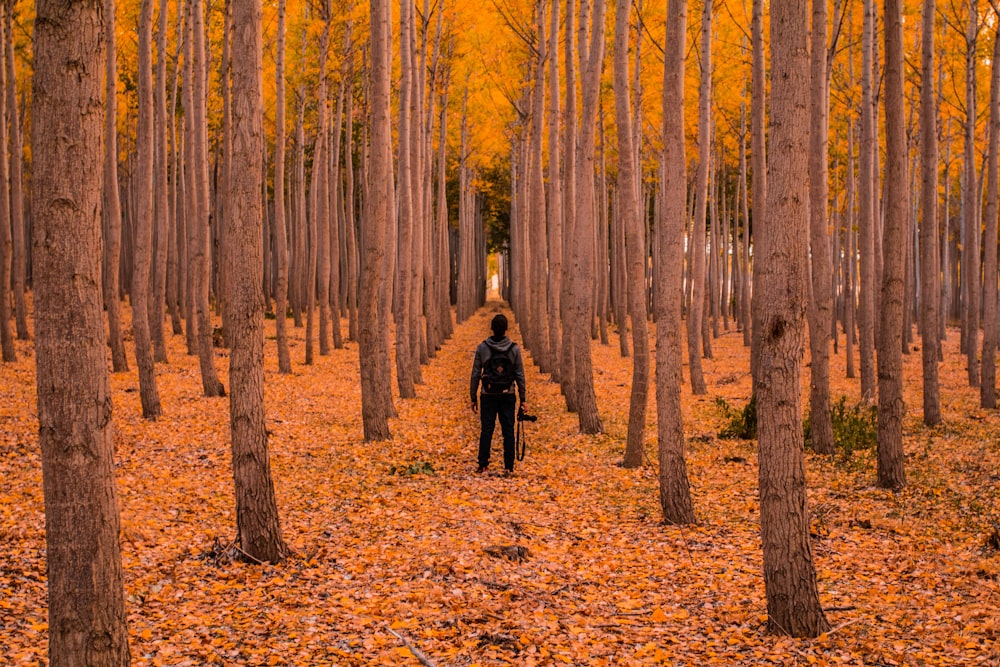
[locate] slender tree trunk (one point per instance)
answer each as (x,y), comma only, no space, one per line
(6,244)
(161,209)
(929,313)
(584,269)
(256,507)
(567,370)
(379,214)
(868,210)
(176,257)
(199,256)
(320,195)
(628,198)
(697,238)
(890,356)
(970,270)
(537,223)
(555,217)
(86,601)
(820,310)
(758,155)
(145,145)
(18,231)
(793,605)
(404,224)
(349,205)
(111,208)
(850,257)
(987,385)
(280,234)
(675,494)
(192,212)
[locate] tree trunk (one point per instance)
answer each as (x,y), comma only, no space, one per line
(890,356)
(18,231)
(112,213)
(86,601)
(6,243)
(379,214)
(555,217)
(820,309)
(758,155)
(256,506)
(696,241)
(537,224)
(190,191)
(929,312)
(868,211)
(970,269)
(628,213)
(567,370)
(987,385)
(404,225)
(675,494)
(850,257)
(280,232)
(144,220)
(584,269)
(161,209)
(199,256)
(320,195)
(793,605)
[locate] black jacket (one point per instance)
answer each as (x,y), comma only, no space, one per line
(484,352)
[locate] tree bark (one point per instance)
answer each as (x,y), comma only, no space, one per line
(280,231)
(18,231)
(161,208)
(567,370)
(537,221)
(697,237)
(635,241)
(404,223)
(890,352)
(6,243)
(868,211)
(758,156)
(675,494)
(970,270)
(111,208)
(86,601)
(584,269)
(929,289)
(793,605)
(820,310)
(200,268)
(555,217)
(256,507)
(987,385)
(379,213)
(143,238)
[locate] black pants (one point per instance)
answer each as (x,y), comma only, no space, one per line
(492,406)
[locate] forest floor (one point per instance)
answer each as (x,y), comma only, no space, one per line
(401,537)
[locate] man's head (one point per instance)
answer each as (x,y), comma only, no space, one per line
(499,325)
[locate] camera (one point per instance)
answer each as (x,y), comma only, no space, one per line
(525,417)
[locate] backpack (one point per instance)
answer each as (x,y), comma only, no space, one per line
(498,371)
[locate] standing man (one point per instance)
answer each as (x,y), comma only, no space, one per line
(497,367)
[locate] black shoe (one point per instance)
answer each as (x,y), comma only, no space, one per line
(480,470)
(508,472)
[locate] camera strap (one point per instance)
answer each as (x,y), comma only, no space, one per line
(520,445)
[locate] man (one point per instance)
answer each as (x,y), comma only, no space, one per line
(498,368)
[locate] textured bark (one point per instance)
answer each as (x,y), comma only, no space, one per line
(86,601)
(256,507)
(379,213)
(850,257)
(190,191)
(793,605)
(404,222)
(555,219)
(199,263)
(583,263)
(143,220)
(6,242)
(821,304)
(280,231)
(161,208)
(111,208)
(176,257)
(567,370)
(758,156)
(628,198)
(537,223)
(929,288)
(867,211)
(18,231)
(349,206)
(987,385)
(320,191)
(890,353)
(970,246)
(696,240)
(675,494)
